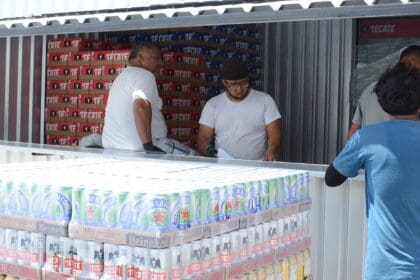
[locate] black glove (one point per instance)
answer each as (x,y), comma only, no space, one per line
(210,152)
(150,148)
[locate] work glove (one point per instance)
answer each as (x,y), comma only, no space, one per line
(150,148)
(210,152)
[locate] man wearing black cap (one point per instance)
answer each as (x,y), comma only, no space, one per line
(245,122)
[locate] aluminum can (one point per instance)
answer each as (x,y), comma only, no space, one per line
(205,255)
(226,249)
(37,249)
(24,248)
(111,256)
(159,266)
(157,213)
(195,256)
(11,236)
(215,252)
(138,219)
(240,199)
(69,250)
(81,258)
(109,209)
(54,253)
(263,187)
(234,237)
(141,259)
(3,251)
(95,259)
(178,259)
(184,214)
(243,244)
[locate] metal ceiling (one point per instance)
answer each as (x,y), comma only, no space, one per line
(130,15)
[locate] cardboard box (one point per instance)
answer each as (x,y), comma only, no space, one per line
(62,100)
(110,72)
(61,128)
(69,44)
(78,115)
(93,101)
(57,58)
(79,58)
(56,114)
(101,86)
(34,225)
(91,72)
(20,271)
(62,72)
(80,86)
(89,128)
(57,86)
(96,115)
(135,237)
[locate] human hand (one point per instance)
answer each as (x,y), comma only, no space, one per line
(210,152)
(150,148)
(270,155)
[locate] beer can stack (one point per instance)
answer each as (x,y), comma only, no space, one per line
(153,219)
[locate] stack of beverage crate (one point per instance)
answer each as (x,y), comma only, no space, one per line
(152,219)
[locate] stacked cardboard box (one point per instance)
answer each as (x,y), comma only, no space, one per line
(79,76)
(181,84)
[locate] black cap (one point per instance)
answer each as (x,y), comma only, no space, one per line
(234,70)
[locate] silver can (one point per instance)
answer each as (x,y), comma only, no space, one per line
(111,256)
(194,267)
(243,244)
(215,251)
(54,254)
(37,249)
(81,258)
(95,259)
(141,259)
(68,254)
(24,248)
(266,236)
(226,252)
(251,241)
(234,237)
(159,264)
(3,252)
(178,260)
(11,245)
(205,255)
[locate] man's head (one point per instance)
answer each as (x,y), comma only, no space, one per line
(146,55)
(410,56)
(398,90)
(235,79)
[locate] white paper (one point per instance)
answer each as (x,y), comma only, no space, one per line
(223,154)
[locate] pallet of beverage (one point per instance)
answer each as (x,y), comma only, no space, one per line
(227,256)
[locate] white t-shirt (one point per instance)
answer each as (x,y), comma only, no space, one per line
(240,126)
(368,110)
(119,130)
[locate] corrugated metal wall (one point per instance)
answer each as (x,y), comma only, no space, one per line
(21,84)
(308,72)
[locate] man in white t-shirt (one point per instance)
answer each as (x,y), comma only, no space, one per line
(244,122)
(368,110)
(133,117)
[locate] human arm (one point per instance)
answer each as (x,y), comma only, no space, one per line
(204,138)
(353,128)
(347,163)
(143,120)
(273,140)
(333,178)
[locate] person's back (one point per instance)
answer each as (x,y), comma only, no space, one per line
(391,155)
(120,129)
(368,110)
(389,152)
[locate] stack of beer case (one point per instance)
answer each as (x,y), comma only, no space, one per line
(216,44)
(153,219)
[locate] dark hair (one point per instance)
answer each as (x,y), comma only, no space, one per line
(411,50)
(398,90)
(234,70)
(141,47)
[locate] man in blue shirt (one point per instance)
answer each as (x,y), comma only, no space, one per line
(389,152)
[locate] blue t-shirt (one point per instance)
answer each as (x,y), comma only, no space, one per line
(390,154)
